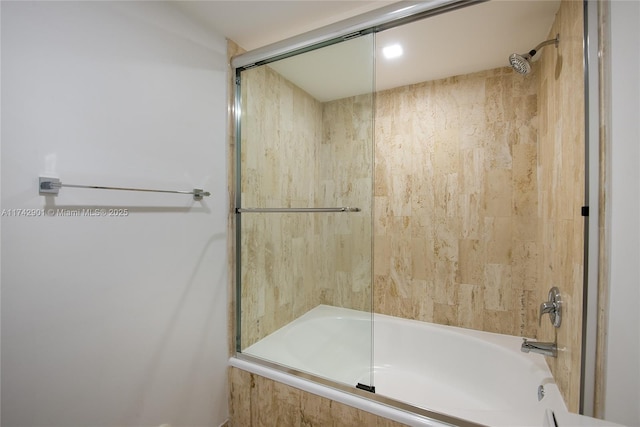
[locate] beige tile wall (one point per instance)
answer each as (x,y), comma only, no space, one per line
(456,214)
(298,152)
(345,173)
(455,218)
(279,270)
(259,402)
(561,176)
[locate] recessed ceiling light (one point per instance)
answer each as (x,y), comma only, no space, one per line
(392,51)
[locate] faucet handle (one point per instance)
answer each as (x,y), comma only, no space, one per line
(546,307)
(553,307)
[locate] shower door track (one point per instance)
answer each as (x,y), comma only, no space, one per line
(296,210)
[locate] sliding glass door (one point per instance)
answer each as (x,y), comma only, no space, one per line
(303,211)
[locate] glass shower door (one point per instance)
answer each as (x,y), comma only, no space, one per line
(303,211)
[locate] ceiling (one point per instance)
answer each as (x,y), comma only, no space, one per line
(256,23)
(463,41)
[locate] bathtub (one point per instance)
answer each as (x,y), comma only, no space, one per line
(418,369)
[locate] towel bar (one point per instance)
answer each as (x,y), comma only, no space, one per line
(48,186)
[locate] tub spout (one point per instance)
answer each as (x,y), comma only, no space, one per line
(544,348)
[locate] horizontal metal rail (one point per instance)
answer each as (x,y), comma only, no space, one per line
(296,210)
(48,186)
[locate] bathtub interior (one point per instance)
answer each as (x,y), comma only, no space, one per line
(478,376)
(328,342)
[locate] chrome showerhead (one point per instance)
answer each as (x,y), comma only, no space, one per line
(521,62)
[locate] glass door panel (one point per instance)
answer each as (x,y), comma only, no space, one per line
(304,224)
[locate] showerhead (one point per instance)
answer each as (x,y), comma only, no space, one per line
(521,62)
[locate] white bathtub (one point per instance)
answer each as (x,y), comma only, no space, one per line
(476,376)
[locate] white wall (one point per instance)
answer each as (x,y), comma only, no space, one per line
(113,321)
(622,393)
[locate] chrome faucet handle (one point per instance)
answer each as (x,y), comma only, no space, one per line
(546,307)
(553,307)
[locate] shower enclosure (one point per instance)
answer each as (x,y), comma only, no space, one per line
(450,194)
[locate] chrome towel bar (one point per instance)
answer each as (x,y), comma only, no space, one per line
(296,210)
(48,186)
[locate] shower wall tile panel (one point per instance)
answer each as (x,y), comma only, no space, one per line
(456,215)
(281,139)
(561,175)
(345,172)
(260,402)
(449,228)
(298,152)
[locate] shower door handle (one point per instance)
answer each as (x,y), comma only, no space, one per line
(296,210)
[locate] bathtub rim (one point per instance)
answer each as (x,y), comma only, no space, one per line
(349,395)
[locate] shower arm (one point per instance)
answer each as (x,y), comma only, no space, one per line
(545,43)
